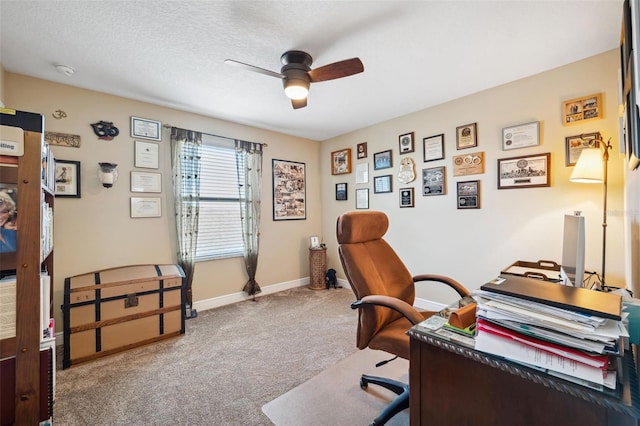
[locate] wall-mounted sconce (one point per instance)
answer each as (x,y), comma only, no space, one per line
(108,174)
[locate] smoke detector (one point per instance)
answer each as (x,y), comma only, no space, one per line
(65,69)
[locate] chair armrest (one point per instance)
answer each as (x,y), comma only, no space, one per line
(459,288)
(408,311)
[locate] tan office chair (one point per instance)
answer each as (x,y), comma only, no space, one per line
(385,293)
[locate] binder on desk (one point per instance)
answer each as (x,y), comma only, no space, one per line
(575,299)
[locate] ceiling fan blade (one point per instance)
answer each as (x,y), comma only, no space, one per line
(299,103)
(336,70)
(253,68)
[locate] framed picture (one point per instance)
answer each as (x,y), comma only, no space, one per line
(406,143)
(146,155)
(469,194)
(289,190)
(146,129)
(314,242)
(406,197)
(146,182)
(382,184)
(466,136)
(521,136)
(341,191)
(433,147)
(67,179)
(575,144)
(469,164)
(146,207)
(382,160)
(581,109)
(362,172)
(362,150)
(434,181)
(362,198)
(524,172)
(341,162)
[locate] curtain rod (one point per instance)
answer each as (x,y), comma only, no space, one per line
(168,126)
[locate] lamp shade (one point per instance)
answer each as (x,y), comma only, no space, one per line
(589,168)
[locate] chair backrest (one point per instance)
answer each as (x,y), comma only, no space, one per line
(372,267)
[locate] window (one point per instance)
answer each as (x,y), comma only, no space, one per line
(219,226)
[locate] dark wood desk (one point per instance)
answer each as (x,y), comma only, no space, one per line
(452,384)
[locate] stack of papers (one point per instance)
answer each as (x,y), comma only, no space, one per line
(574,345)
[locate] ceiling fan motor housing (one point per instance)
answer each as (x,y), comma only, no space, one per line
(296,69)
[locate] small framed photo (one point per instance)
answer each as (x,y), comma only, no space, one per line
(382,184)
(341,162)
(341,191)
(145,207)
(433,147)
(528,171)
(406,197)
(382,160)
(146,129)
(362,198)
(146,182)
(434,181)
(575,144)
(578,110)
(314,242)
(146,155)
(67,179)
(469,194)
(466,136)
(521,136)
(362,150)
(406,143)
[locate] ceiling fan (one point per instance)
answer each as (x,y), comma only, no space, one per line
(297,75)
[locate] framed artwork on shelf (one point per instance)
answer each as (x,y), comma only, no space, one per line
(314,242)
(67,178)
(406,143)
(146,207)
(341,162)
(341,191)
(406,197)
(382,184)
(521,136)
(362,198)
(146,155)
(382,160)
(466,136)
(146,129)
(289,190)
(528,171)
(362,150)
(575,144)
(433,148)
(578,110)
(469,194)
(434,181)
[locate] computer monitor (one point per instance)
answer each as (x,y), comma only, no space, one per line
(572,264)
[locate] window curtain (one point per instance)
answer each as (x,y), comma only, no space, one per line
(185,162)
(249,165)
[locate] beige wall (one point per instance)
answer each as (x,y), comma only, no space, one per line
(514,224)
(1,85)
(96,231)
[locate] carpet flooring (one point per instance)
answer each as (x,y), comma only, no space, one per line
(231,361)
(334,397)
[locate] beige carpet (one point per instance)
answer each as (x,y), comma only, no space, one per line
(334,397)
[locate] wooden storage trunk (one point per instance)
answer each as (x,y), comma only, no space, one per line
(113,310)
(546,270)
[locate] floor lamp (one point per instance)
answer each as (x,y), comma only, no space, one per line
(592,168)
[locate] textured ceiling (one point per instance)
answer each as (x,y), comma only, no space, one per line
(416,54)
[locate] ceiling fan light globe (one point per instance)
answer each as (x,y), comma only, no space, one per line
(296,91)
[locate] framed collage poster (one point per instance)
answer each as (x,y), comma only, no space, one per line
(289,190)
(341,162)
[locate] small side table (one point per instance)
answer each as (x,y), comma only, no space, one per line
(317,268)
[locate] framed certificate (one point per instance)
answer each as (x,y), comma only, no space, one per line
(146,155)
(521,136)
(146,182)
(146,129)
(145,207)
